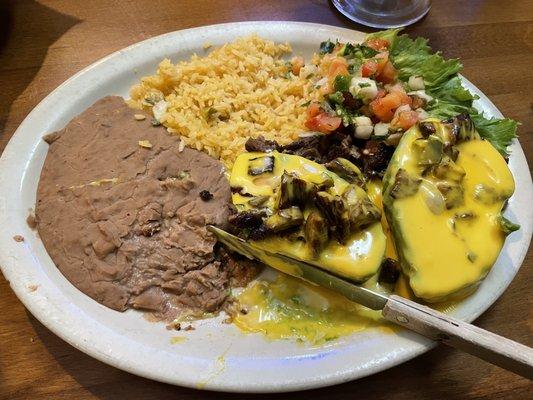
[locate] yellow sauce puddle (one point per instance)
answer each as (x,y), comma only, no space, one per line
(288,308)
(177,339)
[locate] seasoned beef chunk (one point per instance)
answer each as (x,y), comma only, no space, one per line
(260,144)
(310,147)
(390,271)
(376,157)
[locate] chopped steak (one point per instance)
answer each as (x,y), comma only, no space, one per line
(260,144)
(126,224)
(311,147)
(372,160)
(376,157)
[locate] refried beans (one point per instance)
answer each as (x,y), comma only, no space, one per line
(122,210)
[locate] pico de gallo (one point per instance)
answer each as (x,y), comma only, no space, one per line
(357,88)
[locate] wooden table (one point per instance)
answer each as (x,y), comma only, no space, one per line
(43,43)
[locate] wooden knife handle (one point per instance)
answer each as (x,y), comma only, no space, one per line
(486,345)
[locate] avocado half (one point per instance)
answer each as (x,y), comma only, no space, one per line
(257,177)
(443,195)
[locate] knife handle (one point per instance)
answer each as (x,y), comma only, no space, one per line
(478,342)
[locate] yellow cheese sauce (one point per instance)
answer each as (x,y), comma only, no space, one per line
(358,259)
(288,308)
(448,254)
(265,184)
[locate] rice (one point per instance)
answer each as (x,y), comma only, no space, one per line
(215,103)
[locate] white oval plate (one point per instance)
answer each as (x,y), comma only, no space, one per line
(215,356)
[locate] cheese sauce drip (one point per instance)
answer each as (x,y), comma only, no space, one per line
(288,308)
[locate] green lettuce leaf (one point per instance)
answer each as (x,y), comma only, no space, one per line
(450,99)
(389,34)
(415,57)
(500,132)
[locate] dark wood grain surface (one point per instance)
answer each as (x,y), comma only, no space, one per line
(43,43)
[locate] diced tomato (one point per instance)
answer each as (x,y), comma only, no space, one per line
(381,93)
(296,64)
(338,66)
(378,44)
(323,123)
(318,120)
(369,68)
(312,110)
(405,120)
(388,73)
(384,107)
(382,59)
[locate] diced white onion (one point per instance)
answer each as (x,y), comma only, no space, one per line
(308,134)
(322,82)
(422,114)
(308,70)
(416,83)
(364,88)
(381,129)
(422,94)
(160,109)
(362,120)
(363,131)
(433,198)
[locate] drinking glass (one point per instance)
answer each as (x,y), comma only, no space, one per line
(383,13)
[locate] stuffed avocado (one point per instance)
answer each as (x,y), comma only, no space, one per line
(443,195)
(317,213)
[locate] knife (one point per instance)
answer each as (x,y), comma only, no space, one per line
(430,323)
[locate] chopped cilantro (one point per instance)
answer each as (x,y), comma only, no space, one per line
(347,50)
(336,98)
(326,47)
(342,83)
(368,52)
(354,66)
